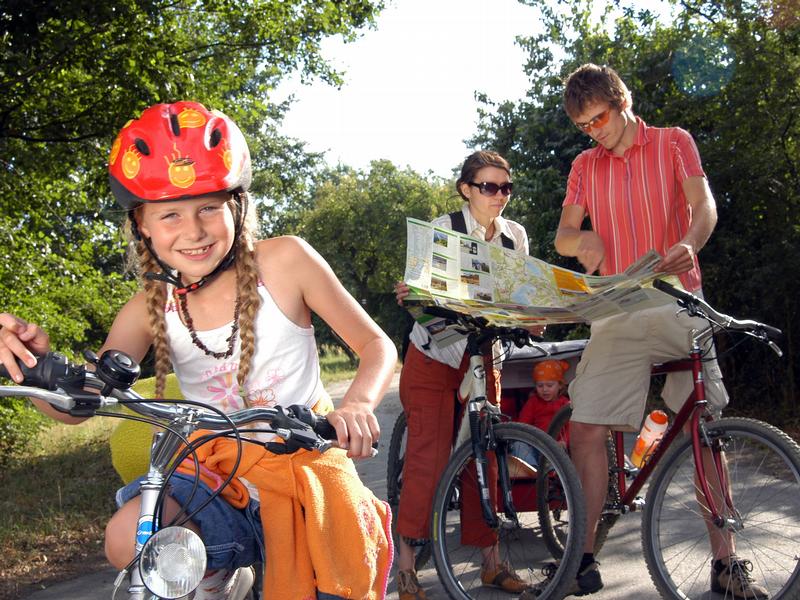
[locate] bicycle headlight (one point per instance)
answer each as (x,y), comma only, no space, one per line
(173,562)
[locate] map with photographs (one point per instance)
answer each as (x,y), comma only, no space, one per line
(450,269)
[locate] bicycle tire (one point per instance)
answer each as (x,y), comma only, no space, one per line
(458,565)
(394,483)
(763,466)
(553,516)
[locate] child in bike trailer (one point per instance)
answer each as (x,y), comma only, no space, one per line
(539,409)
(431,376)
(232,317)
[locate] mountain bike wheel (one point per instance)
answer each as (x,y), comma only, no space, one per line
(394,483)
(763,466)
(459,528)
(553,513)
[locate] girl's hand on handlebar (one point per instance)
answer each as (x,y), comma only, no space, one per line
(356,429)
(400,291)
(20,339)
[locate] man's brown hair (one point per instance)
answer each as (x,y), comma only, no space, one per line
(591,83)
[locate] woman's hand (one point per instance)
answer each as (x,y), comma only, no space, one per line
(20,339)
(401,291)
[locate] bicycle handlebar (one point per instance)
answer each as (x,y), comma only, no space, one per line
(75,390)
(518,335)
(699,307)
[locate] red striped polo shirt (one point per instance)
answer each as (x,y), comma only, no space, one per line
(636,201)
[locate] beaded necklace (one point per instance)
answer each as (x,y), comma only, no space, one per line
(193,333)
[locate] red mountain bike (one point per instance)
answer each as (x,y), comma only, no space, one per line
(735,478)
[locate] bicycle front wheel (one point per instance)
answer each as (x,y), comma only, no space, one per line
(394,484)
(763,470)
(461,536)
(554,516)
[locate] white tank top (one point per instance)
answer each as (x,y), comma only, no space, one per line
(285,367)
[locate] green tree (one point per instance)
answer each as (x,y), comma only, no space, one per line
(358,223)
(727,71)
(73,72)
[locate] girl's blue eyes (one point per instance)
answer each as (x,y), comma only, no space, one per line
(203,210)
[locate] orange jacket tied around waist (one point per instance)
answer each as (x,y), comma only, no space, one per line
(323,529)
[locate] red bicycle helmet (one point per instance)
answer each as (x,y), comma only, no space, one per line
(175,151)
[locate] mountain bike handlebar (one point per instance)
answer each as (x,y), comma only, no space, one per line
(76,390)
(468,324)
(698,307)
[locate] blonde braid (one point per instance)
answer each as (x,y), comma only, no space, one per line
(250,302)
(156,296)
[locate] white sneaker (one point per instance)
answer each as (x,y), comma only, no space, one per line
(242,583)
(226,585)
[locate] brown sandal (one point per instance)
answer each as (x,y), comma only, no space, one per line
(408,586)
(503,577)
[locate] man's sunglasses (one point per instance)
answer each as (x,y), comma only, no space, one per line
(595,122)
(488,188)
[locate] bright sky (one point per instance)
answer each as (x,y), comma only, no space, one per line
(410,83)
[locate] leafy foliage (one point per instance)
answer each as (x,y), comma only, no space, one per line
(73,72)
(18,424)
(356,223)
(728,72)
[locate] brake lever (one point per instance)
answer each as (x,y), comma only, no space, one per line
(296,439)
(775,348)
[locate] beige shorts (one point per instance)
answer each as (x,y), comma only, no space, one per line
(613,377)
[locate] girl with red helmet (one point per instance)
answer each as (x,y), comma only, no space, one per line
(232,317)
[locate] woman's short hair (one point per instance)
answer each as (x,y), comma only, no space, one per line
(477,161)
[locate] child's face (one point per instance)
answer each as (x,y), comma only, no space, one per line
(548,390)
(192,236)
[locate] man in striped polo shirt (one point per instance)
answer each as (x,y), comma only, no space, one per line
(642,188)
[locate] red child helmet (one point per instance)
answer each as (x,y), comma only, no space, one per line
(175,151)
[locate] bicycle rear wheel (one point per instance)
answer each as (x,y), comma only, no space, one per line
(394,484)
(458,563)
(763,466)
(553,513)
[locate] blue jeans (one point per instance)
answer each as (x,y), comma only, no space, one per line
(233,537)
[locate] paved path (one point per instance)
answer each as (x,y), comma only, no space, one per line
(622,565)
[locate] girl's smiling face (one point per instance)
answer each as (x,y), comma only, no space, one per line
(191,236)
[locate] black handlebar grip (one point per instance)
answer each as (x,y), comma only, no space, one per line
(440,311)
(670,289)
(25,370)
(773,333)
(323,428)
(49,369)
(318,423)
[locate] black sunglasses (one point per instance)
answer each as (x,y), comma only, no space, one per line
(488,188)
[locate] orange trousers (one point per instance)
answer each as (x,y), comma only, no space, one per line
(428,392)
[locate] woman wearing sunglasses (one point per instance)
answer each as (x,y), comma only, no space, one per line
(430,378)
